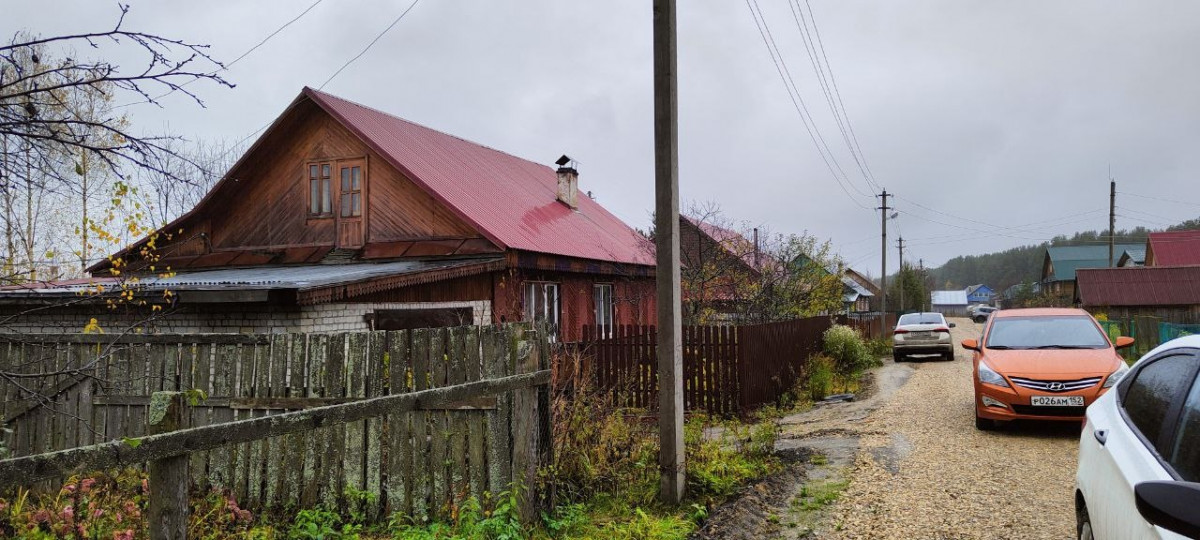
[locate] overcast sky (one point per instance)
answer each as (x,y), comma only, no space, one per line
(1003,113)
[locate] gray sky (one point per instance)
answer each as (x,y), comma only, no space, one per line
(1004,113)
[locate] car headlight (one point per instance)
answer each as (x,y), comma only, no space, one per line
(989,375)
(1115,376)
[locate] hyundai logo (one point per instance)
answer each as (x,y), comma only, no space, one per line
(1055,387)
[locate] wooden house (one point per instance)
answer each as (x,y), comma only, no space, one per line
(343,217)
(1061,262)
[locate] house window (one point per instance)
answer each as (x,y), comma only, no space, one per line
(351,193)
(604,309)
(320,194)
(541,303)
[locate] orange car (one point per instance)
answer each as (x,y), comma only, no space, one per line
(1042,364)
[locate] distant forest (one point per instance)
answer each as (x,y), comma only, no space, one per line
(1024,264)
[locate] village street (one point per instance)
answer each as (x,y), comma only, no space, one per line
(922,470)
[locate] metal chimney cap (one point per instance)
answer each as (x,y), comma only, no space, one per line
(562,161)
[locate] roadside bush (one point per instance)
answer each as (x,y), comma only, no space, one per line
(880,348)
(848,350)
(820,377)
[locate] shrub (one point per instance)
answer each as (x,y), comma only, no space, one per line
(880,347)
(820,377)
(847,349)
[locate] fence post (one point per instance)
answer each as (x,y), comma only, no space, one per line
(524,428)
(168,517)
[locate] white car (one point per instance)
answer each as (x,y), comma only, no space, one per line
(1139,452)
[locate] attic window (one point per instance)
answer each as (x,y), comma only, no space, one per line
(320,194)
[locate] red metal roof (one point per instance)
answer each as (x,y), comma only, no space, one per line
(1175,248)
(510,200)
(1139,286)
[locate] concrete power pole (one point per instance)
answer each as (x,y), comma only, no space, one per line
(1112,219)
(883,217)
(666,211)
(899,277)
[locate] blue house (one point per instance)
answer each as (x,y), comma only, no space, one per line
(980,294)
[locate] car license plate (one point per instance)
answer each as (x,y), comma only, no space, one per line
(921,335)
(1056,401)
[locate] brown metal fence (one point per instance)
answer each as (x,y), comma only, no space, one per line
(726,369)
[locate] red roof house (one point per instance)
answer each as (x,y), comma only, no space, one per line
(340,208)
(1173,248)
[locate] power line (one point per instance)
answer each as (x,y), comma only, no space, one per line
(1186,203)
(369,45)
(235,60)
(797,100)
(837,92)
(819,68)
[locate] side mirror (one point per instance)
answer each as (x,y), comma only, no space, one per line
(1123,342)
(951,325)
(1170,505)
(970,344)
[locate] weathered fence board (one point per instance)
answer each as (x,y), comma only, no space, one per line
(419,461)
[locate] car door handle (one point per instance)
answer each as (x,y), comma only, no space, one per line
(1101,436)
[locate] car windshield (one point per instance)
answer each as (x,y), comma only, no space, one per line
(1059,332)
(920,318)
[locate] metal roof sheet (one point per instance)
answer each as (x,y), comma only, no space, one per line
(511,200)
(1139,286)
(1175,248)
(261,277)
(948,298)
(1067,259)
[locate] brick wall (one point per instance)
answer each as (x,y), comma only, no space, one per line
(225,319)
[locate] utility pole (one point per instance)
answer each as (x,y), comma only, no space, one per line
(666,211)
(1112,218)
(883,278)
(900,275)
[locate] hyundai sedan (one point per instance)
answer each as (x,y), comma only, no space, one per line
(1041,364)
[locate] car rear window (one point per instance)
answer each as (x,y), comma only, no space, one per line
(1056,332)
(921,318)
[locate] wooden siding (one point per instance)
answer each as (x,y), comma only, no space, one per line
(633,299)
(264,207)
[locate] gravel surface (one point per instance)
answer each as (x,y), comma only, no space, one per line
(924,471)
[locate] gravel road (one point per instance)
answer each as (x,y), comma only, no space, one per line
(924,471)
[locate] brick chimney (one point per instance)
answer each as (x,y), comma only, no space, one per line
(568,182)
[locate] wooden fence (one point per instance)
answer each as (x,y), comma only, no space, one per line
(726,369)
(73,391)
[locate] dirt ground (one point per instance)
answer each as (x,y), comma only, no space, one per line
(907,462)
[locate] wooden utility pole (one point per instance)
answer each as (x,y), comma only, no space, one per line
(900,275)
(666,239)
(1112,219)
(883,217)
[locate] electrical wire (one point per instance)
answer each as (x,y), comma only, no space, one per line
(369,45)
(1186,203)
(235,60)
(764,32)
(819,68)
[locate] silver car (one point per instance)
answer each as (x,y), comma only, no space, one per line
(922,333)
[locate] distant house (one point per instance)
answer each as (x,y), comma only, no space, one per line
(855,297)
(866,283)
(1132,257)
(716,262)
(1170,293)
(341,217)
(1061,262)
(1173,248)
(980,294)
(950,303)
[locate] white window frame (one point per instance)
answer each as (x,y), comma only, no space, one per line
(548,306)
(604,308)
